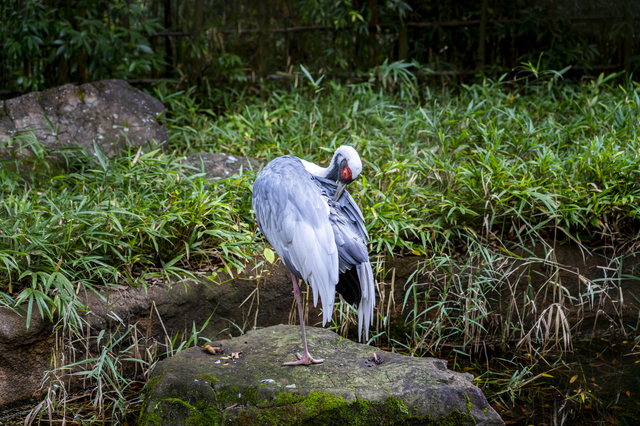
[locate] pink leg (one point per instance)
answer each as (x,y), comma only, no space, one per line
(306,358)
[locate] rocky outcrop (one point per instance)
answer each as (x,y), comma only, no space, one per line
(217,166)
(109,112)
(196,387)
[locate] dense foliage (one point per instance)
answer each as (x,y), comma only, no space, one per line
(495,161)
(45,43)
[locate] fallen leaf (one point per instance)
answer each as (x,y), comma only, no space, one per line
(547,375)
(615,362)
(236,355)
(225,357)
(628,393)
(226,363)
(213,350)
(573,379)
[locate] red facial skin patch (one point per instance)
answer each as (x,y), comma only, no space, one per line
(345,174)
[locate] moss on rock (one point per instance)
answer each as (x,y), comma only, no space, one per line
(193,389)
(315,408)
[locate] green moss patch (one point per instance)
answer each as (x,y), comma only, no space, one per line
(315,408)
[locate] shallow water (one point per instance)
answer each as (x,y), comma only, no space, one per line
(598,383)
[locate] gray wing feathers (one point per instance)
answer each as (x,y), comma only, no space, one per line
(351,240)
(352,251)
(351,209)
(368,301)
(295,219)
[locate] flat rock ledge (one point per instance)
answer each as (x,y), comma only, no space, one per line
(217,166)
(197,388)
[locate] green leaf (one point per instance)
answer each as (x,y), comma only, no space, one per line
(268,254)
(101,158)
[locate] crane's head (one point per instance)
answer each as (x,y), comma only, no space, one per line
(346,162)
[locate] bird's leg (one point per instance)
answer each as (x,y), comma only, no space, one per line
(306,358)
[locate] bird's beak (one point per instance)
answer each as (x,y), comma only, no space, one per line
(339,191)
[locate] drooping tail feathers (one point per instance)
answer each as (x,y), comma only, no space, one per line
(368,301)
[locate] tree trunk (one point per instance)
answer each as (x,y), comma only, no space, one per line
(167,40)
(83,75)
(196,62)
(373,32)
(263,20)
(125,22)
(628,43)
(483,33)
(154,40)
(403,43)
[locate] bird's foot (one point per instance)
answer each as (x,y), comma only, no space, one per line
(304,360)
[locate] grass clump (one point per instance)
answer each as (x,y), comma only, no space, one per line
(442,165)
(120,221)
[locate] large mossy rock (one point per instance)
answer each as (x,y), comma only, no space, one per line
(195,387)
(110,113)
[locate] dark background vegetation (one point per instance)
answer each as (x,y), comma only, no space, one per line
(46,43)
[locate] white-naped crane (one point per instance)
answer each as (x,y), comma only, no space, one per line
(318,230)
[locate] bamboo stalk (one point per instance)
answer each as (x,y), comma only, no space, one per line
(483,34)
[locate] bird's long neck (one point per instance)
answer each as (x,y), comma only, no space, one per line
(332,172)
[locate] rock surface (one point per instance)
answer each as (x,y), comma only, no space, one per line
(219,166)
(25,355)
(109,112)
(197,387)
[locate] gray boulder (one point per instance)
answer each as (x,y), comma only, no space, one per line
(109,112)
(195,387)
(218,166)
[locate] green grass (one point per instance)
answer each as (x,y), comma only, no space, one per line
(485,159)
(473,178)
(112,222)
